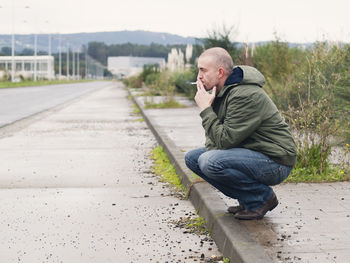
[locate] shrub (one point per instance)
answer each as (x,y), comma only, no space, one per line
(152,78)
(162,85)
(313,116)
(181,81)
(134,82)
(280,64)
(313,127)
(148,71)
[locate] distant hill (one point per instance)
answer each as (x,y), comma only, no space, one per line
(118,37)
(79,39)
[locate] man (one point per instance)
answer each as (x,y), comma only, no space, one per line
(248,144)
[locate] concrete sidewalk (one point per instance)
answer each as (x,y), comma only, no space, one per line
(76,186)
(311,223)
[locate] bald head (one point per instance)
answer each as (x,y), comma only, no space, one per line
(220,57)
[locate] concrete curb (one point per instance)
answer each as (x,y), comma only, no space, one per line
(231,236)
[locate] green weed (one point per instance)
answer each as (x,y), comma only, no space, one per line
(163,105)
(7,84)
(163,168)
(136,109)
(196,225)
(310,175)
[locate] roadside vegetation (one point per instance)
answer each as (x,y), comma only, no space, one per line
(30,83)
(165,170)
(161,105)
(312,88)
(196,225)
(309,84)
(191,223)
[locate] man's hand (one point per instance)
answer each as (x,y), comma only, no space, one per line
(202,98)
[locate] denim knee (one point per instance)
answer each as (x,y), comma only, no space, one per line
(191,157)
(188,159)
(208,163)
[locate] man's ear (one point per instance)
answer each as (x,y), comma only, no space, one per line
(221,72)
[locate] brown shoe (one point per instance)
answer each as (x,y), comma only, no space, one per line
(260,212)
(235,209)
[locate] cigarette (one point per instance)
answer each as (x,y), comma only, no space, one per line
(193,83)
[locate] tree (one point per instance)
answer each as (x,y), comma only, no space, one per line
(27,52)
(6,51)
(98,50)
(221,37)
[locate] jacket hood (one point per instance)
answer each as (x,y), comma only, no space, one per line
(244,75)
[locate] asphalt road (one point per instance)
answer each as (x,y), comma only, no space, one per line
(18,103)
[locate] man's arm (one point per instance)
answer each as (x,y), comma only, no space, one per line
(241,120)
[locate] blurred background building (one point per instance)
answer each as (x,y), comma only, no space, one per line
(25,66)
(125,66)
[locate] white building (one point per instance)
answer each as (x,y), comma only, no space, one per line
(128,66)
(24,66)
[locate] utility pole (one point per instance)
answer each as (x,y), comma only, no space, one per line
(73,63)
(78,66)
(13,45)
(35,56)
(59,58)
(67,67)
(13,64)
(86,64)
(48,61)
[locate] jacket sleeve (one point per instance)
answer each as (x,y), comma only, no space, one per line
(242,118)
(209,145)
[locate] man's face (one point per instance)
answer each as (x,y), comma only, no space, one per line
(208,72)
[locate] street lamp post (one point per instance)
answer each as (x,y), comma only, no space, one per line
(13,40)
(59,58)
(35,56)
(78,66)
(86,64)
(67,67)
(48,61)
(73,64)
(13,44)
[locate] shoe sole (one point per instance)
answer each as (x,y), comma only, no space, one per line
(234,212)
(273,207)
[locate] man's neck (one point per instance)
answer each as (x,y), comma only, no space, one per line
(221,84)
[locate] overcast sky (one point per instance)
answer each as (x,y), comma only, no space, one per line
(256,20)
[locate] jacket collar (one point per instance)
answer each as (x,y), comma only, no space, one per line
(242,75)
(233,80)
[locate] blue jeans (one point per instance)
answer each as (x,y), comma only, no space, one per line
(239,173)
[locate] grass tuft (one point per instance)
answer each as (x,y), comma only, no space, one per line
(163,168)
(136,110)
(195,225)
(310,175)
(162,105)
(8,84)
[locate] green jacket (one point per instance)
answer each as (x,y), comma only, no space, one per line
(243,116)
